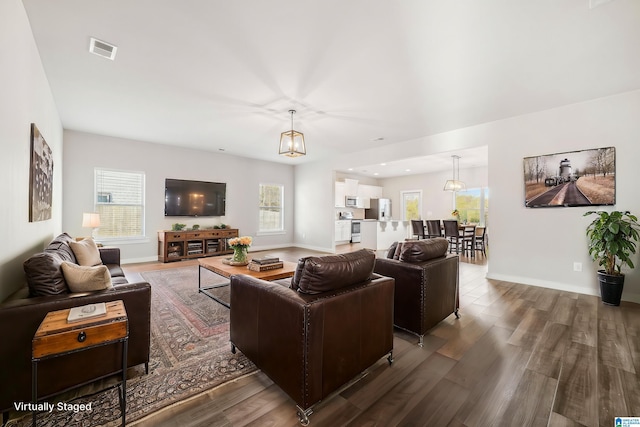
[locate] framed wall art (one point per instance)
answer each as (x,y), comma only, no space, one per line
(40,178)
(574,178)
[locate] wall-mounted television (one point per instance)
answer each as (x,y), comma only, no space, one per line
(194,198)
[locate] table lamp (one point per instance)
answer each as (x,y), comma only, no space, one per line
(91,220)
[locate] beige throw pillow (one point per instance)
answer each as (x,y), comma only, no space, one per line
(86,252)
(86,279)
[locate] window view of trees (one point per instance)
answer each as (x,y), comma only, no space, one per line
(411,205)
(473,205)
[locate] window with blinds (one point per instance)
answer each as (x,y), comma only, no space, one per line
(119,199)
(271,208)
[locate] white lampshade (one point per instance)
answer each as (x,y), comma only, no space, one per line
(455,184)
(91,220)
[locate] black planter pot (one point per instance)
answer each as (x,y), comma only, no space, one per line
(610,287)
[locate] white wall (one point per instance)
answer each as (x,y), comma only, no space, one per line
(26,98)
(83,152)
(314,206)
(539,246)
(436,203)
(531,246)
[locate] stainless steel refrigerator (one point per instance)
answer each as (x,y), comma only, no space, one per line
(379,209)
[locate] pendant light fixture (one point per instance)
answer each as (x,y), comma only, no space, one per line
(455,184)
(292,141)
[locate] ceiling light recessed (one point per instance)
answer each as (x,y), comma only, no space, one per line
(383,164)
(103,49)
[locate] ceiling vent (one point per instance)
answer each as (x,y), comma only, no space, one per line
(104,49)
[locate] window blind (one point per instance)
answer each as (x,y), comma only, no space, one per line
(119,199)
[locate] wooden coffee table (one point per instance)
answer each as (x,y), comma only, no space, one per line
(216,265)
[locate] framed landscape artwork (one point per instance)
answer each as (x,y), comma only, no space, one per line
(40,178)
(574,178)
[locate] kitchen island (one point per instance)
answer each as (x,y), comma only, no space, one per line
(381,234)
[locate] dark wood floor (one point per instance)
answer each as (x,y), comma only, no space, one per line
(518,356)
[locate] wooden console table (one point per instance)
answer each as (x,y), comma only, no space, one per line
(56,337)
(179,245)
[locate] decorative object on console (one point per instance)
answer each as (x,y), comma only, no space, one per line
(240,246)
(292,141)
(177,226)
(455,184)
(40,177)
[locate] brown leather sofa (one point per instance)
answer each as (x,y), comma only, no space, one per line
(315,333)
(21,315)
(427,289)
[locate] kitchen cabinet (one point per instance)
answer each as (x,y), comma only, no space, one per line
(340,194)
(368,192)
(351,187)
(343,231)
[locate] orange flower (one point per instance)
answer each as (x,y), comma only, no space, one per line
(244,241)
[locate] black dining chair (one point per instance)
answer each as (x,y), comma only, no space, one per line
(469,239)
(481,245)
(434,229)
(417,228)
(452,234)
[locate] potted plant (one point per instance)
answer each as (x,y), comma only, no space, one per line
(612,240)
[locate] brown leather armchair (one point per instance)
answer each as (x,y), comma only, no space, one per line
(315,338)
(427,289)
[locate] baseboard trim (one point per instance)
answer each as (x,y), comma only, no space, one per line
(629,297)
(138,260)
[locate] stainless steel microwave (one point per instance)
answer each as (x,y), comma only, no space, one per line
(352,202)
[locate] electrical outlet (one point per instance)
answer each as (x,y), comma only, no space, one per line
(577,266)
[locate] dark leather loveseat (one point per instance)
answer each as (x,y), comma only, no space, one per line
(316,333)
(427,289)
(21,315)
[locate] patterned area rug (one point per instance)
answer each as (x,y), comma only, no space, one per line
(190,353)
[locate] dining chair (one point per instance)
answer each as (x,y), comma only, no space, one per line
(434,229)
(417,228)
(480,244)
(469,239)
(452,234)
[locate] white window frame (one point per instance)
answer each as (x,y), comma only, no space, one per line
(280,229)
(99,193)
(403,204)
(484,195)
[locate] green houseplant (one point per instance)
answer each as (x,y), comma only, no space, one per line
(612,240)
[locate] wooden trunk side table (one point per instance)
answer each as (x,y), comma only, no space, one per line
(56,337)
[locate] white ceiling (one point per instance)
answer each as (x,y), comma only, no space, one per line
(222,75)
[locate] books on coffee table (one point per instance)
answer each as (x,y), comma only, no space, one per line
(254,266)
(267,259)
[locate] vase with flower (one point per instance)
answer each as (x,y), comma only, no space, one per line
(455,214)
(240,246)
